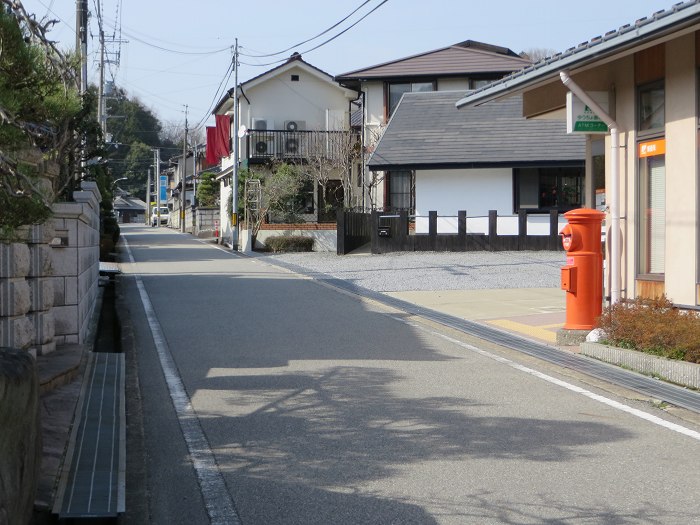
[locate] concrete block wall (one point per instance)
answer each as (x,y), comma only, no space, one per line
(26,292)
(206,221)
(76,267)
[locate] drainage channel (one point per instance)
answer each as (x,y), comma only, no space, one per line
(654,388)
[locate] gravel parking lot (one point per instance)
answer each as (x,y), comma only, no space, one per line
(424,271)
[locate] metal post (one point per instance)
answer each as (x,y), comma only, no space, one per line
(183,179)
(148,197)
(234,175)
(194,177)
(157,184)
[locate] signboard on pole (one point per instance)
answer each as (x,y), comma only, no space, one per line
(580,118)
(163,186)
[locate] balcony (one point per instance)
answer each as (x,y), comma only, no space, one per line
(298,146)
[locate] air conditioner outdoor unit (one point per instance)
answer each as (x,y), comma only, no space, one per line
(262,124)
(292,146)
(264,147)
(294,125)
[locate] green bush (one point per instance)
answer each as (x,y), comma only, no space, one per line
(653,326)
(294,243)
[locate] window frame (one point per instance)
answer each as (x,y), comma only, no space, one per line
(559,172)
(388,205)
(387,91)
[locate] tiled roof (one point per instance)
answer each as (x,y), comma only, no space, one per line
(427,131)
(659,24)
(460,59)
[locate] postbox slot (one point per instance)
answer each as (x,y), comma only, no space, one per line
(568,279)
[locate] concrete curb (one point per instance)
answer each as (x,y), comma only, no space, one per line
(678,372)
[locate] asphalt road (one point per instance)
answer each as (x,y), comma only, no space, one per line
(301,404)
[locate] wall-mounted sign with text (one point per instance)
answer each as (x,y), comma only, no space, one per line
(652,148)
(580,118)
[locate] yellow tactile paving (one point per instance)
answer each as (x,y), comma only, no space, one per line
(540,332)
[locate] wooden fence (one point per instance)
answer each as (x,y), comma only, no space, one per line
(392,233)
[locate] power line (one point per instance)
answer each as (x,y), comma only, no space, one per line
(312,38)
(167,50)
(227,77)
(324,42)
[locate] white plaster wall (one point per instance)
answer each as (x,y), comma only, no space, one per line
(279,99)
(681,257)
(324,240)
(476,191)
(224,222)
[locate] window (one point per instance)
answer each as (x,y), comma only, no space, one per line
(396,91)
(651,108)
(400,191)
(652,214)
(476,83)
(543,189)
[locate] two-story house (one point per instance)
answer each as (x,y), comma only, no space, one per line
(290,113)
(461,67)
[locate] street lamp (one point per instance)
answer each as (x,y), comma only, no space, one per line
(115,181)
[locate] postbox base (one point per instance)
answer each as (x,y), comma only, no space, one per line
(569,337)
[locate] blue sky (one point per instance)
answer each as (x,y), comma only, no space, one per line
(166,80)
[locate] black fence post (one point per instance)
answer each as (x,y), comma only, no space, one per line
(432,229)
(462,229)
(522,229)
(340,232)
(553,230)
(403,224)
(493,229)
(374,232)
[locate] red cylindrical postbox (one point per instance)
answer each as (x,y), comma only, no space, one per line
(582,277)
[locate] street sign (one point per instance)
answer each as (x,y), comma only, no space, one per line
(163,185)
(580,118)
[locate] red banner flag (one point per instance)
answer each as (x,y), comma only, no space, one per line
(212,157)
(223,135)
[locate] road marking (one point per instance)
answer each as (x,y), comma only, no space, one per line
(217,500)
(534,331)
(596,397)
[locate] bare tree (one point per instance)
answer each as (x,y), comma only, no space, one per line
(278,190)
(371,182)
(535,54)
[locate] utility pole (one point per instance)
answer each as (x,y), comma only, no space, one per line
(156,169)
(101,117)
(81,18)
(148,197)
(234,175)
(183,179)
(194,176)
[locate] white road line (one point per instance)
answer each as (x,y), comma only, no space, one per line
(217,499)
(596,397)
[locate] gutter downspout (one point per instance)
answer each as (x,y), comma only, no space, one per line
(615,248)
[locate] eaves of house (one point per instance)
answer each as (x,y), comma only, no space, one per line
(226,103)
(465,58)
(427,131)
(613,44)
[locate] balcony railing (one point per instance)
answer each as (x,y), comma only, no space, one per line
(269,145)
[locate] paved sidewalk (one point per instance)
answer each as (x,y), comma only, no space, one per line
(535,313)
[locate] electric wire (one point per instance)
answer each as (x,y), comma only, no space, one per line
(132,36)
(227,77)
(325,41)
(312,38)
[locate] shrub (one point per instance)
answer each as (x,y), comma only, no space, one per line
(653,326)
(294,243)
